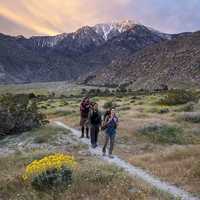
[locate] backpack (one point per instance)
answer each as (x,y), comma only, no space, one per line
(95,118)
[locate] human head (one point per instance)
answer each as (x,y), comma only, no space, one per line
(86,99)
(112,112)
(95,106)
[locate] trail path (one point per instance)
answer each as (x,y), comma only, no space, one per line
(132,170)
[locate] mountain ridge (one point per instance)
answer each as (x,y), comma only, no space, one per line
(78,55)
(169,63)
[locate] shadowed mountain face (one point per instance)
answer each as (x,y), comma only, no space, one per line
(71,56)
(175,63)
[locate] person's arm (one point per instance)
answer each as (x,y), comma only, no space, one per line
(81,107)
(107,120)
(117,121)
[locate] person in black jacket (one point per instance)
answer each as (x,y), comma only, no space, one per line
(95,123)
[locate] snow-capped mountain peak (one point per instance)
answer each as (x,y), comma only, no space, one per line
(108,29)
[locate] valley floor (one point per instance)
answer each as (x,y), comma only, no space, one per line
(153,137)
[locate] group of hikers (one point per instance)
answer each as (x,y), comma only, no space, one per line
(92,122)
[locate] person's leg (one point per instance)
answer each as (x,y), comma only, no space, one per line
(87,132)
(92,135)
(112,141)
(87,128)
(105,143)
(82,124)
(82,132)
(96,135)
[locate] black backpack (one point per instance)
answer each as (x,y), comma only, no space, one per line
(95,118)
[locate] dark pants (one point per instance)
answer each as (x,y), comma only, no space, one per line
(84,126)
(83,130)
(94,131)
(108,138)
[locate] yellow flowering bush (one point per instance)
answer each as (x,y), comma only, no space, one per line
(51,170)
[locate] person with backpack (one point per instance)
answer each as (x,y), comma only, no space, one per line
(110,126)
(95,124)
(106,114)
(84,113)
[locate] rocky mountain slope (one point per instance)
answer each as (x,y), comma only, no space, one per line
(175,63)
(70,56)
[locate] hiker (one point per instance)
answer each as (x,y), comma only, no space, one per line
(95,123)
(110,126)
(84,113)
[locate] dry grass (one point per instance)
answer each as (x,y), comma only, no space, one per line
(175,164)
(171,163)
(91,180)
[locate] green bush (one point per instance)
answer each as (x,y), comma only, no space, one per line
(109,104)
(61,178)
(19,113)
(158,133)
(178,97)
(193,117)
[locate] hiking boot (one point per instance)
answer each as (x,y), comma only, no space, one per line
(104,154)
(111,156)
(82,136)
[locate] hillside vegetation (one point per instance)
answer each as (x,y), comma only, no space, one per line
(162,138)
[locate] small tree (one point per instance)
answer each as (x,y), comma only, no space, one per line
(19,113)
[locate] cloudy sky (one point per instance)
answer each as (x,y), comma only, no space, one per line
(50,17)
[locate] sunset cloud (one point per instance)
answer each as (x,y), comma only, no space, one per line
(50,17)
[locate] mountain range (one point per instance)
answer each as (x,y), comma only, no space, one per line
(111,54)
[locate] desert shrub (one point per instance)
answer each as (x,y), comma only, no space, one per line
(193,117)
(140,103)
(52,178)
(40,140)
(44,107)
(196,170)
(122,88)
(50,171)
(195,131)
(163,110)
(178,97)
(65,103)
(158,110)
(188,107)
(162,133)
(134,98)
(84,91)
(19,113)
(109,104)
(32,96)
